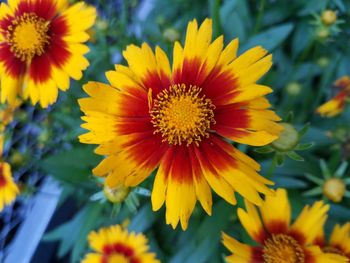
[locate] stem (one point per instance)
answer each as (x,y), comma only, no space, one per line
(215,14)
(272,167)
(260,16)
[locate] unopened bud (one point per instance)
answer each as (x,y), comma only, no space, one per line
(287,140)
(334,189)
(329,17)
(116,194)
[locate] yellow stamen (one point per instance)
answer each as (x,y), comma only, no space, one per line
(283,248)
(28,36)
(181,115)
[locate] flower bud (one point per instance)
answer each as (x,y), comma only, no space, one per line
(323,33)
(116,194)
(334,189)
(171,34)
(294,88)
(287,140)
(329,17)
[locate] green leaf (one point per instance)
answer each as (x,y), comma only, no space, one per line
(341,169)
(304,146)
(264,149)
(314,191)
(296,157)
(325,170)
(314,179)
(271,38)
(72,235)
(304,130)
(72,166)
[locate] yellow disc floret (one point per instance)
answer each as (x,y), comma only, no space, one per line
(182,115)
(28,36)
(283,248)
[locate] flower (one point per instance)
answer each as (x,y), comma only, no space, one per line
(339,241)
(115,245)
(336,105)
(41,47)
(179,119)
(278,240)
(8,189)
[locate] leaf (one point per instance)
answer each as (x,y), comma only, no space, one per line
(72,166)
(304,130)
(72,235)
(144,219)
(287,182)
(314,191)
(296,157)
(200,246)
(341,169)
(264,149)
(304,146)
(271,38)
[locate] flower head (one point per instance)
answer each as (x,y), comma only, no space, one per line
(116,245)
(41,47)
(336,105)
(279,240)
(339,241)
(8,189)
(180,119)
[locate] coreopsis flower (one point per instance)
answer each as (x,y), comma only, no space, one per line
(8,189)
(115,245)
(279,240)
(336,105)
(179,119)
(41,47)
(339,241)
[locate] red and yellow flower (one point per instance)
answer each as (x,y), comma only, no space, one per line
(337,104)
(8,189)
(279,240)
(41,47)
(180,119)
(339,241)
(116,245)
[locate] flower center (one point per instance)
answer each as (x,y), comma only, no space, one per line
(120,253)
(182,115)
(282,248)
(28,36)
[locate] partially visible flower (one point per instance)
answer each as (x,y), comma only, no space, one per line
(8,189)
(115,245)
(41,47)
(329,17)
(332,185)
(180,119)
(339,241)
(279,240)
(336,105)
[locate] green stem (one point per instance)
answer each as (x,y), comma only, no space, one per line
(260,16)
(272,167)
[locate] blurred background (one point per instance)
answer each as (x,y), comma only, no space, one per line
(61,202)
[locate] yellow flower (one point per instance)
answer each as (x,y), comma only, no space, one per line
(115,245)
(339,241)
(279,240)
(180,119)
(41,47)
(8,189)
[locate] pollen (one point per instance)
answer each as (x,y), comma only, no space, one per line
(283,248)
(182,115)
(28,36)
